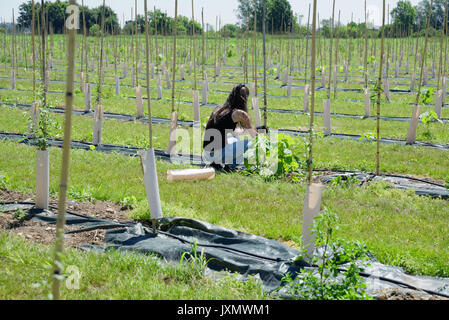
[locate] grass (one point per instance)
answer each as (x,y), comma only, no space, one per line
(398,227)
(110,276)
(267,209)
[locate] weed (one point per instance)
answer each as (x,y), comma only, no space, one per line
(4,181)
(344,181)
(197,263)
(19,214)
(129,203)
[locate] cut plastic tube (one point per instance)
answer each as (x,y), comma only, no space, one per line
(190,175)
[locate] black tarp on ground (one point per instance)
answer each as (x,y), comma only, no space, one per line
(229,250)
(420,186)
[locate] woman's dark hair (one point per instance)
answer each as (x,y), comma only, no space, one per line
(238,99)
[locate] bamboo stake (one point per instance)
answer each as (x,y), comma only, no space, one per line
(203,59)
(307,44)
(379,86)
(174,115)
(137,48)
(264,65)
(366,48)
(33,49)
(174,57)
(312,111)
(150,117)
(423,62)
(194,50)
(330,50)
(255,48)
(63,186)
(100,69)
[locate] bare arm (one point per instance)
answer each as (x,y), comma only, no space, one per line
(240,116)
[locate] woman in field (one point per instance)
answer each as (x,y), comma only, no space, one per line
(231,118)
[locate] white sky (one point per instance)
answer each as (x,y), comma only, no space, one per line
(224,8)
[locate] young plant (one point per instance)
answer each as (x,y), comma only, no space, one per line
(336,276)
(427,118)
(197,263)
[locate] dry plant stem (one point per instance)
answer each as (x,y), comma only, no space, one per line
(60,223)
(379,86)
(312,107)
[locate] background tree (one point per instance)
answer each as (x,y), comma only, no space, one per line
(404,16)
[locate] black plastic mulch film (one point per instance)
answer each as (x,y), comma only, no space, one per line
(227,251)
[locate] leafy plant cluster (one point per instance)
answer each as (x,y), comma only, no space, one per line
(337,273)
(276,159)
(47,125)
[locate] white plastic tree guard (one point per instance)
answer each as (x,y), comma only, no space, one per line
(386,86)
(439,103)
(257,118)
(412,83)
(159,87)
(182,73)
(312,208)
(204,92)
(82,82)
(88,98)
(327,116)
(367,103)
(98,125)
(306,97)
(139,102)
(117,84)
(42,179)
(411,137)
(196,107)
(148,161)
(13,79)
(172,135)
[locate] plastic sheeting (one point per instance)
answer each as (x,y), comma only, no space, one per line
(226,250)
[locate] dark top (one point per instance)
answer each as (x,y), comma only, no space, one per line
(223,124)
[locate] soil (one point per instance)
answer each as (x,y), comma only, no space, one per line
(44,234)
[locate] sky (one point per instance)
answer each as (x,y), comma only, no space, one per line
(226,8)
